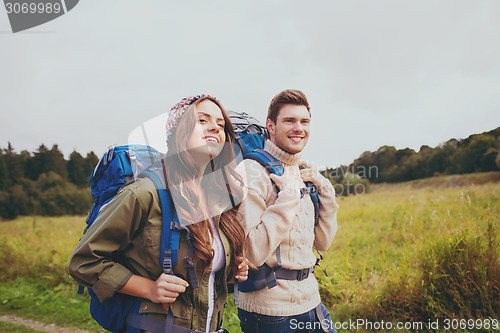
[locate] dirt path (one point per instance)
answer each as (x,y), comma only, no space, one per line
(36,325)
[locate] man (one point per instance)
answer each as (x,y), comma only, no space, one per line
(280,226)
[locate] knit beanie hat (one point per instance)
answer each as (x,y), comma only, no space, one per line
(176,112)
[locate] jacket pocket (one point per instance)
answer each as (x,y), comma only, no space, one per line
(151,241)
(183,314)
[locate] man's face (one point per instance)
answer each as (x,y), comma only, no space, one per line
(291,131)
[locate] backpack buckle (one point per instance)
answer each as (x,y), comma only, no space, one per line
(188,261)
(167,266)
(303,274)
(307,190)
(174,225)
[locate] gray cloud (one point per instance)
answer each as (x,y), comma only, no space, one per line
(376,73)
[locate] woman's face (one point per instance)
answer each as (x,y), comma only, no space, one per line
(208,136)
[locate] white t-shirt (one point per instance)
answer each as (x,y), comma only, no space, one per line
(218,263)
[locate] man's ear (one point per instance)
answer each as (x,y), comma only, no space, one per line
(270,126)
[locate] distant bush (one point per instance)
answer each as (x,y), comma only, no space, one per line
(346,182)
(57,197)
(352,184)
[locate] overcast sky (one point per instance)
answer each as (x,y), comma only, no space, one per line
(401,73)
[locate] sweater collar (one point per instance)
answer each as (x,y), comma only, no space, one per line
(280,154)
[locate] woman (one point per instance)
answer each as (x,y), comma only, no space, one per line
(121,254)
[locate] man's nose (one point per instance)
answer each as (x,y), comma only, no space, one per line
(297,127)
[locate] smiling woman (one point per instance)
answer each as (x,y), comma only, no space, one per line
(208,136)
(122,254)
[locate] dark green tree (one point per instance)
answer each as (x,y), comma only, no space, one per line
(20,201)
(77,170)
(15,164)
(4,205)
(4,174)
(478,155)
(38,164)
(58,161)
(44,161)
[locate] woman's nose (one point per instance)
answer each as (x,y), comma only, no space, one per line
(213,126)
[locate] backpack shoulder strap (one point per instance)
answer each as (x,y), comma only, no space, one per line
(171,229)
(315,200)
(170,233)
(313,193)
(268,161)
(273,165)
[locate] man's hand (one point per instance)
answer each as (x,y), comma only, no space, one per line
(310,174)
(285,181)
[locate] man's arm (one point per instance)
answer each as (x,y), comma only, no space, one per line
(325,231)
(265,226)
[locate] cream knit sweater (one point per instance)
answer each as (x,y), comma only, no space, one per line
(271,219)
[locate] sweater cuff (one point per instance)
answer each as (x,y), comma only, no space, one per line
(326,189)
(111,282)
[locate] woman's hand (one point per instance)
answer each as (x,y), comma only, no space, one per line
(242,273)
(167,288)
(164,290)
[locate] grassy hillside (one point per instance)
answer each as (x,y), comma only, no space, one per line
(390,240)
(409,252)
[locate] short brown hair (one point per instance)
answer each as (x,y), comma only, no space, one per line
(289,96)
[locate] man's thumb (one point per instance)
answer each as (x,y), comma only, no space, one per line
(273,177)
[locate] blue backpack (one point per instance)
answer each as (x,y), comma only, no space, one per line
(118,166)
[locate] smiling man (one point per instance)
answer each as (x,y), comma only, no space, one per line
(281,228)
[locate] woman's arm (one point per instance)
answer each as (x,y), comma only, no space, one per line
(93,261)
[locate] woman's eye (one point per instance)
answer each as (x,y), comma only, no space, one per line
(202,120)
(221,125)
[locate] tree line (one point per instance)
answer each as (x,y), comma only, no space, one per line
(44,182)
(477,153)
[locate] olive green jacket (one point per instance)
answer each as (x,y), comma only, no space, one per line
(125,239)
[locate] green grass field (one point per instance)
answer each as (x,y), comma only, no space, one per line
(411,252)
